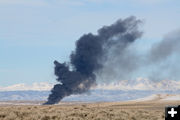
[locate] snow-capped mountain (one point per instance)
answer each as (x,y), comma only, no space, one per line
(161,97)
(138,84)
(142,84)
(23,95)
(91,96)
(42,86)
(119,91)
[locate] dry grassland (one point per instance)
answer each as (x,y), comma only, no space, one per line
(151,110)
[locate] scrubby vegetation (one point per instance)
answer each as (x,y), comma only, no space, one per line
(94,111)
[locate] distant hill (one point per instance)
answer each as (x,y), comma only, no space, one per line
(120,91)
(92,96)
(23,95)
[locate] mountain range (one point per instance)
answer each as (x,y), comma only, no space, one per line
(92,96)
(119,91)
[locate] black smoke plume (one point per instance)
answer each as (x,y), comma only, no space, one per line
(79,75)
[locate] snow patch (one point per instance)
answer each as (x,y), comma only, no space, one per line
(160,97)
(142,84)
(42,86)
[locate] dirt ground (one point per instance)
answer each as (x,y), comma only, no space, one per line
(149,110)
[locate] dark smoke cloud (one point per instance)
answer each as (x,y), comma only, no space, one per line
(159,62)
(119,65)
(90,56)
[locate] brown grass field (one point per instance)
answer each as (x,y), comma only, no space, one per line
(132,110)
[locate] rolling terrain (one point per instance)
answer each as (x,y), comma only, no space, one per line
(149,108)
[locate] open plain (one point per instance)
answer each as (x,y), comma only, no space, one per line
(131,110)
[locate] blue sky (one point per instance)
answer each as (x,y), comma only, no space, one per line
(34,33)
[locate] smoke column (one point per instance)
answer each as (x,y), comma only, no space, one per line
(89,56)
(158,62)
(167,47)
(164,56)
